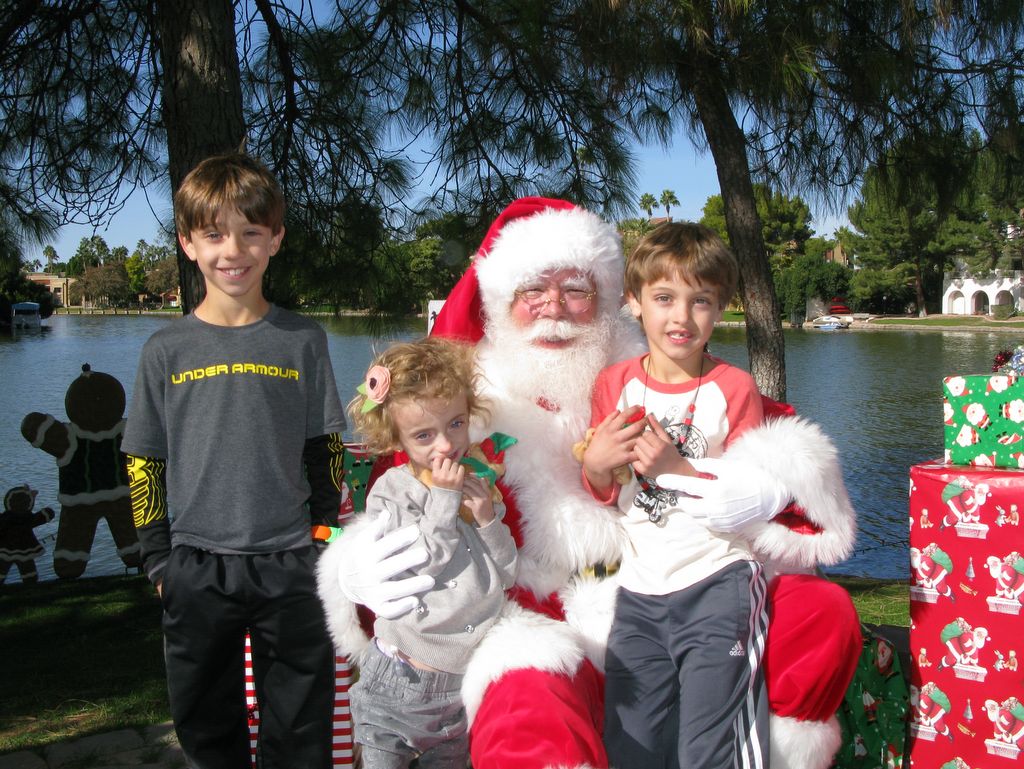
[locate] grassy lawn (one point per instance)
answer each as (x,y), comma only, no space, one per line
(879,601)
(933,321)
(950,321)
(80,656)
(86,656)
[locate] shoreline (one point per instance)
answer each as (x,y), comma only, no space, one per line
(946,322)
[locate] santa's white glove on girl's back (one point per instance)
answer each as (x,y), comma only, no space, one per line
(372,560)
(731,494)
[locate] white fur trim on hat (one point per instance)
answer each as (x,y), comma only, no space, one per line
(551,240)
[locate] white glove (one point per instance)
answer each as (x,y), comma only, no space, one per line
(372,560)
(740,493)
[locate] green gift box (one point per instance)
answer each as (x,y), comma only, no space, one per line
(984,420)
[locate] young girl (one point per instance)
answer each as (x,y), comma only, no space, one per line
(418,398)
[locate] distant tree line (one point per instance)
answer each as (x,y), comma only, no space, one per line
(355,104)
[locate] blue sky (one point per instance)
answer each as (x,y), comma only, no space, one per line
(680,169)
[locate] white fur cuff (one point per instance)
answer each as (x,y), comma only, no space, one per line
(802,458)
(342,620)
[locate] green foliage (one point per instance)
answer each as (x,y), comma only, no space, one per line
(647,203)
(106,285)
(495,101)
(785,223)
(406,274)
(162,276)
(810,277)
(818,247)
(153,259)
(927,209)
(1003,311)
(50,255)
(884,291)
(714,216)
(668,199)
(135,269)
(632,230)
(92,252)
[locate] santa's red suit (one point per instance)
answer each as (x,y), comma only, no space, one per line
(533,689)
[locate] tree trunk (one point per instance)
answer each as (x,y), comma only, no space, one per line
(922,309)
(202,98)
(765,343)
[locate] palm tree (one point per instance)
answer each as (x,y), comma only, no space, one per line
(647,203)
(669,199)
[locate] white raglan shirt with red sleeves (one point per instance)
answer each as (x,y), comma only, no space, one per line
(677,551)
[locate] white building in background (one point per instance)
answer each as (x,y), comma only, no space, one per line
(966,295)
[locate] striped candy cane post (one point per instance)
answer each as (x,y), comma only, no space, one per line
(341,718)
(357,465)
(251,706)
(341,726)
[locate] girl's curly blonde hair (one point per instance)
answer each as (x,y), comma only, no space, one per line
(422,370)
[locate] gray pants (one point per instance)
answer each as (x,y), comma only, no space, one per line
(684,686)
(400,713)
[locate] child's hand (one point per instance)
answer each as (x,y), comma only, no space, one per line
(476,496)
(447,473)
(611,446)
(656,453)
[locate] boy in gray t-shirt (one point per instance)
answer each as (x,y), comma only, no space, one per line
(234,444)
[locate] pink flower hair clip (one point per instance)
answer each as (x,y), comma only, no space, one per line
(375,388)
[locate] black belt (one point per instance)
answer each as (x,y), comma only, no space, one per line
(599,570)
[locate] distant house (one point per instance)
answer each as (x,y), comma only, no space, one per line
(838,255)
(964,294)
(57,285)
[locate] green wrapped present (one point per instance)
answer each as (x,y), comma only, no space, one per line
(984,420)
(873,716)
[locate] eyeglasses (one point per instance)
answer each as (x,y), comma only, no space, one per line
(572,299)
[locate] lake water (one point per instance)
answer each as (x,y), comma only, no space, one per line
(878,394)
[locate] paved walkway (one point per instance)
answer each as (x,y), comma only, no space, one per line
(154,747)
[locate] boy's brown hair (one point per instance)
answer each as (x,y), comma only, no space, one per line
(429,368)
(687,250)
(225,181)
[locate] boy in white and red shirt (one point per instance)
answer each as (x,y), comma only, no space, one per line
(684,685)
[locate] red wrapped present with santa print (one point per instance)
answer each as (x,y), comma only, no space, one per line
(966,625)
(984,420)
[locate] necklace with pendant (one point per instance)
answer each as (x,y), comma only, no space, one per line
(654,514)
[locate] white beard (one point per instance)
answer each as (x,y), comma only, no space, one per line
(562,376)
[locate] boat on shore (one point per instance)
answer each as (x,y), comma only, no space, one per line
(829,323)
(25,315)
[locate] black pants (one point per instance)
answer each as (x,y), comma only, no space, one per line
(210,601)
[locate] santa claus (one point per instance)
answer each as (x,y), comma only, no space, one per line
(533,690)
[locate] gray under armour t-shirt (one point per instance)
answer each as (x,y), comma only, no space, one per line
(230,409)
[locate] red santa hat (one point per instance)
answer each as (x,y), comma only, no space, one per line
(531,236)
